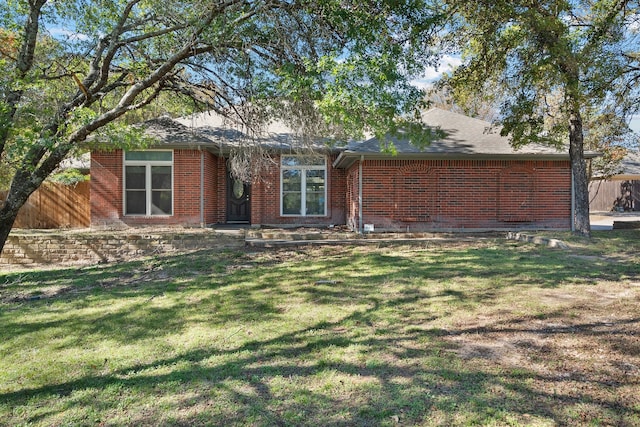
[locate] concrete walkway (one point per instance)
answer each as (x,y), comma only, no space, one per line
(604,220)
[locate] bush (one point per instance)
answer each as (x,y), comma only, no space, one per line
(69,177)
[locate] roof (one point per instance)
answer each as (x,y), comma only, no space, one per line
(629,167)
(631,164)
(465,137)
(217,133)
(226,135)
(170,132)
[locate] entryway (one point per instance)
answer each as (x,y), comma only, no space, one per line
(238,201)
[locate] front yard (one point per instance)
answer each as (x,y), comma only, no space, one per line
(490,332)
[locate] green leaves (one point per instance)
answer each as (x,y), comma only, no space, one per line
(540,62)
(116,135)
(74,70)
(69,177)
(548,65)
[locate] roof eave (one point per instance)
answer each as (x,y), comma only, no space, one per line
(184,145)
(619,177)
(347,158)
(223,149)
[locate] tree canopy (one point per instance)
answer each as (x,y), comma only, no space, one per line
(73,69)
(77,68)
(556,69)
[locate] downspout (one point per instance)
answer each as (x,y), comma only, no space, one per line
(360,225)
(202,225)
(573,202)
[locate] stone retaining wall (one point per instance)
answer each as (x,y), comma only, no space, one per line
(70,248)
(626,225)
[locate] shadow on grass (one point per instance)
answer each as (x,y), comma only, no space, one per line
(380,363)
(136,300)
(404,387)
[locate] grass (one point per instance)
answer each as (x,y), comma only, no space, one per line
(491,332)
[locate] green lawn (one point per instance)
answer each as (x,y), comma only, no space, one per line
(491,332)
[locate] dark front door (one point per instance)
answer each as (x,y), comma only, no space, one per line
(238,195)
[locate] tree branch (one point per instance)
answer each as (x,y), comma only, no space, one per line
(24,64)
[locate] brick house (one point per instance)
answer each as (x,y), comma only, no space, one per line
(469,180)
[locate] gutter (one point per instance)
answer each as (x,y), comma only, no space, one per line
(360,225)
(573,202)
(202,225)
(348,158)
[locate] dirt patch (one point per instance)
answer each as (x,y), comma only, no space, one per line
(15,291)
(584,344)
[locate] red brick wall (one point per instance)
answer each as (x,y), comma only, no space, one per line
(264,192)
(106,190)
(352,207)
(265,199)
(461,194)
(186,187)
(210,184)
(219,170)
(397,194)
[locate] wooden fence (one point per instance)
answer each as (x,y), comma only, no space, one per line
(55,206)
(611,195)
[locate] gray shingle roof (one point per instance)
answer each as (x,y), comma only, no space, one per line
(463,135)
(229,135)
(167,131)
(631,163)
(630,166)
(218,134)
(215,133)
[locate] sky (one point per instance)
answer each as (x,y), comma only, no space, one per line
(449,63)
(431,75)
(635,124)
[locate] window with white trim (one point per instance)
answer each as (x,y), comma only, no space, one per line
(303,186)
(148,183)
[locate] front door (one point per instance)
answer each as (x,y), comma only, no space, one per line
(238,206)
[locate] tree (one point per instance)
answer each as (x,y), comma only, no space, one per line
(521,53)
(74,69)
(441,95)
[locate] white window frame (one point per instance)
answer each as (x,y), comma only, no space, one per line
(303,185)
(148,191)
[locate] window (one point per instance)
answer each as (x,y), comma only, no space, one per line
(148,183)
(303,185)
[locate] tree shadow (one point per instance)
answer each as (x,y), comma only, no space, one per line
(382,362)
(402,388)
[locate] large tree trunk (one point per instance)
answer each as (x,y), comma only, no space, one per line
(24,183)
(16,198)
(580,178)
(8,215)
